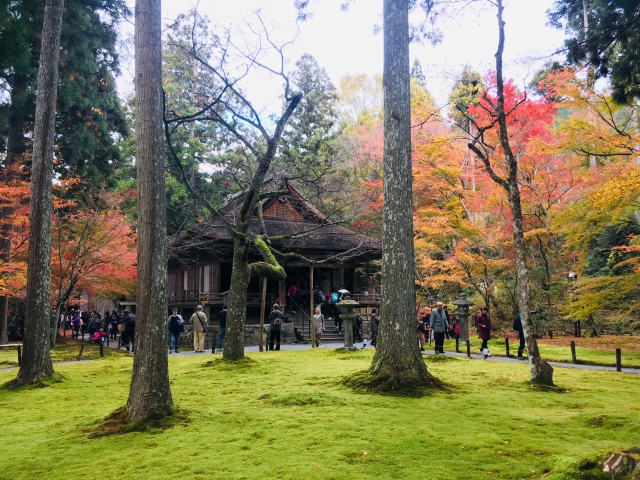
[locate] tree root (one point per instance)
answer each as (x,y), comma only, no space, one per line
(119,423)
(388,384)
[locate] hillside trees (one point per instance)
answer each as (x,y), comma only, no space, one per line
(605,35)
(89,109)
(93,250)
(36,360)
(498,111)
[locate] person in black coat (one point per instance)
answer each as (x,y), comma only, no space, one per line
(517,326)
(275,326)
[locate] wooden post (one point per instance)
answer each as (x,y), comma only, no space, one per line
(262,312)
(506,343)
(101,350)
(457,345)
(573,352)
(469,348)
(81,351)
(618,360)
(19,356)
(312,309)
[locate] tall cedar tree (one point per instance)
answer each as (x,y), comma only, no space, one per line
(397,355)
(150,392)
(36,359)
(605,34)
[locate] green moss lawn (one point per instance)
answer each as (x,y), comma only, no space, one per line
(66,350)
(285,415)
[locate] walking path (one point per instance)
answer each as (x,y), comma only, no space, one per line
(298,346)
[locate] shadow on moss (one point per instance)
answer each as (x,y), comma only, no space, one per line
(439,359)
(223,364)
(118,423)
(547,388)
(301,399)
(14,386)
(365,382)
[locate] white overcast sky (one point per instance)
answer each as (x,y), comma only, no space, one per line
(344,42)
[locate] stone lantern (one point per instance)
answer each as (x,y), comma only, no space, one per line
(463,312)
(348,315)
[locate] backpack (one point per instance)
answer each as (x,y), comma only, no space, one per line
(278,318)
(334,297)
(321,296)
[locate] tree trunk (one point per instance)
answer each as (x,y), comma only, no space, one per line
(237,316)
(541,371)
(36,357)
(5,256)
(397,355)
(150,391)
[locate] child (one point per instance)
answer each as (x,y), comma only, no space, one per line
(99,336)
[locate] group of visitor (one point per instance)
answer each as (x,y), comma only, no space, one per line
(200,327)
(437,324)
(98,328)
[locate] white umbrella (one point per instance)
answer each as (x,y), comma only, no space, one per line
(343,290)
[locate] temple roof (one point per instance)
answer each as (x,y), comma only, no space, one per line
(292,215)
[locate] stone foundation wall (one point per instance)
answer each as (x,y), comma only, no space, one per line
(251,336)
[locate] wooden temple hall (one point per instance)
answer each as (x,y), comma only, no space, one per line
(200,260)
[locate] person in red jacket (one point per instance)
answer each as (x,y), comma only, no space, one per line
(483,322)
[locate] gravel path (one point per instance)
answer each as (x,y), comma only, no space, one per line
(297,346)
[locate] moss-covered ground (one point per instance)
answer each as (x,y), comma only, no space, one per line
(286,415)
(66,350)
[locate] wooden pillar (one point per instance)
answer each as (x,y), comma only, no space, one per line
(341,277)
(311,309)
(215,283)
(353,280)
(262,314)
(282,293)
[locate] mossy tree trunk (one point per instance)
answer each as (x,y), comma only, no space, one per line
(237,313)
(36,357)
(397,353)
(541,371)
(150,391)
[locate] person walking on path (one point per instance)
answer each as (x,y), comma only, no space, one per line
(176,327)
(375,324)
(275,327)
(222,317)
(76,322)
(439,325)
(113,324)
(199,322)
(517,326)
(129,330)
(423,323)
(293,294)
(318,320)
(483,321)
